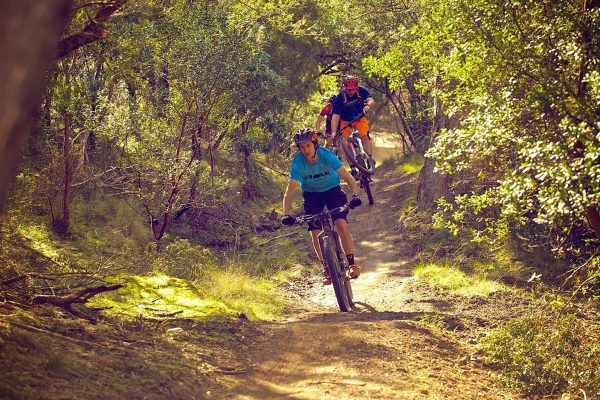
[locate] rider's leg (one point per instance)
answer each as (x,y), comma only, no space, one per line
(314,202)
(337,199)
(346,132)
(341,226)
(362,125)
(366,141)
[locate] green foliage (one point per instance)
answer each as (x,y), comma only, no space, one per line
(411,165)
(222,293)
(542,354)
(192,281)
(455,281)
(518,82)
(525,130)
(434,322)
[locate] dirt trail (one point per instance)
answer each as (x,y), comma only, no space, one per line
(382,350)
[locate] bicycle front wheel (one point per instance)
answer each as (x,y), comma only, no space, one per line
(367,187)
(363,162)
(365,182)
(338,278)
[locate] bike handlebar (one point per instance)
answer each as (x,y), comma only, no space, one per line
(326,213)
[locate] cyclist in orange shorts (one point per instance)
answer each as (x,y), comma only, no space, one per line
(352,101)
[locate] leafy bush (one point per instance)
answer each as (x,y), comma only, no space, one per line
(543,355)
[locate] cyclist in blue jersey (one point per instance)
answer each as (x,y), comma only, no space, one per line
(318,171)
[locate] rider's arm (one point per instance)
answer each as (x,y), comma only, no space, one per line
(318,123)
(369,102)
(335,120)
(289,195)
(345,175)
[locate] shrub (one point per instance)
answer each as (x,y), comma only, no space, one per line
(542,355)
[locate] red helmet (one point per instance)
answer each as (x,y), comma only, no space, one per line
(351,82)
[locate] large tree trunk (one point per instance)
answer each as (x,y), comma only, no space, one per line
(432,185)
(29,32)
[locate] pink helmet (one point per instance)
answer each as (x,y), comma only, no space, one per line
(351,82)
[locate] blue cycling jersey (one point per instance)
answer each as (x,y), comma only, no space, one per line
(319,177)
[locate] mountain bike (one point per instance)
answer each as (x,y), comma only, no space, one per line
(333,255)
(357,156)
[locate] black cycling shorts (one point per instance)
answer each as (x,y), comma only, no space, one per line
(315,202)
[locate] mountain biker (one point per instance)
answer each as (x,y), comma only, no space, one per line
(349,103)
(318,171)
(326,113)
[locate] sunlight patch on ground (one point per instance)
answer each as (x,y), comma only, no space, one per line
(375,245)
(456,281)
(388,140)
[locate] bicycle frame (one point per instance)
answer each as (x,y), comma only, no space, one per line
(356,143)
(358,157)
(354,149)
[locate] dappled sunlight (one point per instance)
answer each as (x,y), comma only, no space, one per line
(228,294)
(375,245)
(456,281)
(364,355)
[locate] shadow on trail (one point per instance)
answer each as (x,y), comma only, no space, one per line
(346,355)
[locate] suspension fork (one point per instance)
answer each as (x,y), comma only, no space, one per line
(338,248)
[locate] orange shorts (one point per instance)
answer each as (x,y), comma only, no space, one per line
(362,126)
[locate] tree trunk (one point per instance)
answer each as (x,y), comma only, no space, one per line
(586,38)
(433,185)
(93,31)
(29,32)
(61,225)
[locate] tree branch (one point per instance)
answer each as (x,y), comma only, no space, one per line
(80,297)
(92,32)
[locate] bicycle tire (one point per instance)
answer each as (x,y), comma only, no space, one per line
(352,158)
(337,275)
(367,188)
(345,274)
(366,185)
(348,286)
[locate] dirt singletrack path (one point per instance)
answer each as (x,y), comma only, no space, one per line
(381,350)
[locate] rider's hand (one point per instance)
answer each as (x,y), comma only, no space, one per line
(288,220)
(366,109)
(355,202)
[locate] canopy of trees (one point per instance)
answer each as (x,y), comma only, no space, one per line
(164,103)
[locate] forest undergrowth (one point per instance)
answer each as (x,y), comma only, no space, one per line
(203,301)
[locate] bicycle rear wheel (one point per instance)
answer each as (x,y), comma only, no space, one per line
(363,162)
(338,278)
